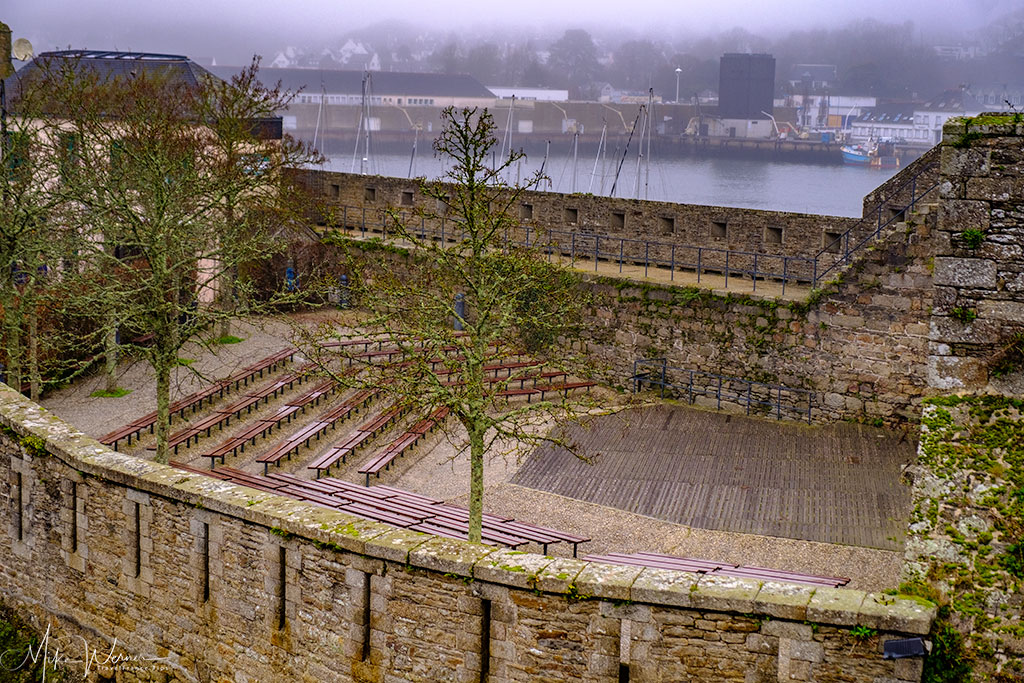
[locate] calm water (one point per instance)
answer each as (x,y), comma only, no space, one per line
(780,186)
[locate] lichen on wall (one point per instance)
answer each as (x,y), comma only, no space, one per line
(965,548)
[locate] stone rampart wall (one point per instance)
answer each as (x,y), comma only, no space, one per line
(978,317)
(220,582)
(715,227)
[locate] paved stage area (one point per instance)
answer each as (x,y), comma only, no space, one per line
(835,484)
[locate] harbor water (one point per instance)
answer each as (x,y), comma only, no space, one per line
(755,184)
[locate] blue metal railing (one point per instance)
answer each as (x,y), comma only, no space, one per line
(691,384)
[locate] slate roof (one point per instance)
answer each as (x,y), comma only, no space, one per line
(113,64)
(382,83)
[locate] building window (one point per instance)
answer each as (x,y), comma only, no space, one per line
(667,225)
(370,194)
(772,235)
(719,230)
(407,198)
(526,212)
(572,216)
(832,242)
(618,220)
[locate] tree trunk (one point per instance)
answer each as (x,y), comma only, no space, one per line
(227,301)
(33,353)
(476,482)
(163,406)
(110,354)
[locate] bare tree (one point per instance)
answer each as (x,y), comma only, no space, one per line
(165,211)
(459,309)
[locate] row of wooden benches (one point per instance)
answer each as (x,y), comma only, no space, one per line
(397,507)
(329,420)
(194,402)
(264,426)
(357,438)
(384,457)
(689,564)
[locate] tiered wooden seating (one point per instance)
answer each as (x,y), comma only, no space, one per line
(529,393)
(195,401)
(383,458)
(355,439)
(689,564)
(262,427)
(329,420)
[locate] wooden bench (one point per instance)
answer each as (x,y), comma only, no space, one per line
(383,458)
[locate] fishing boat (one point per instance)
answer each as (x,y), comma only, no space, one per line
(881,155)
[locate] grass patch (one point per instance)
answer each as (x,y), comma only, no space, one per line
(228,339)
(117,392)
(184,361)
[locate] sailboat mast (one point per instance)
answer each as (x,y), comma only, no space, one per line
(575,151)
(650,132)
(597,159)
(412,157)
(367,93)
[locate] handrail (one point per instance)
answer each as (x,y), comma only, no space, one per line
(576,245)
(876,215)
(718,386)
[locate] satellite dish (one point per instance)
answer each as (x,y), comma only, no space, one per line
(22,50)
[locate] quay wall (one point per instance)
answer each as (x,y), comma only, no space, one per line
(198,579)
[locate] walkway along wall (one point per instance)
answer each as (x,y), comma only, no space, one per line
(206,580)
(935,303)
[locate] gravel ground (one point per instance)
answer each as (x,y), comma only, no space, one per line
(439,470)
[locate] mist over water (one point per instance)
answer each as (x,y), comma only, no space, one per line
(752,184)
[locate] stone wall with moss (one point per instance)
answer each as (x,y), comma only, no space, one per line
(978,316)
(198,580)
(965,548)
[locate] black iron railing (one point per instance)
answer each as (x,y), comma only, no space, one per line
(757,397)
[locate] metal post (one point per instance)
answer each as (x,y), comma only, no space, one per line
(647,257)
(622,244)
(750,386)
(700,254)
(597,241)
(719,396)
(664,368)
(785,274)
(572,251)
(755,272)
(343,293)
(727,270)
(363,228)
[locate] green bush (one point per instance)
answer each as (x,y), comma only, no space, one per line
(948,661)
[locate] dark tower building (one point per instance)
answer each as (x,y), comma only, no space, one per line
(746,86)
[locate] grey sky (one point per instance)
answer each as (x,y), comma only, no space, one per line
(220,28)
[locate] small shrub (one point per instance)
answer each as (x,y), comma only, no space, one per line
(964,314)
(1013,559)
(972,238)
(117,392)
(948,662)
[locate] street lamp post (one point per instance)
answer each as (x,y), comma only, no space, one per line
(678,71)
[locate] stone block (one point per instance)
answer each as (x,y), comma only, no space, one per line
(783,600)
(971,273)
(909,668)
(725,594)
(1010,311)
(511,568)
(959,214)
(449,555)
(956,373)
(559,575)
(395,544)
(608,581)
(835,606)
(806,651)
(664,586)
(889,613)
(787,629)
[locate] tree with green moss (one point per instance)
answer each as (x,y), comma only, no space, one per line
(163,212)
(456,309)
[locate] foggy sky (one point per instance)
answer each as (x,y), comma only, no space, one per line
(232,30)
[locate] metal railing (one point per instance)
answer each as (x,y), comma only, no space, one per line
(624,252)
(840,248)
(619,251)
(761,397)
